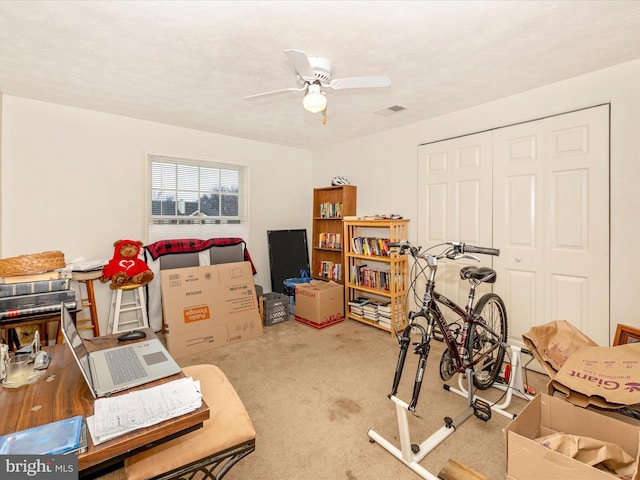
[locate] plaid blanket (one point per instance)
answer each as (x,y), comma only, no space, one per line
(188,245)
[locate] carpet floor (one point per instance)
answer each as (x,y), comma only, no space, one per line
(313,396)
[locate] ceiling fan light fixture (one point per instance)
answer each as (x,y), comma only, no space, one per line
(314,101)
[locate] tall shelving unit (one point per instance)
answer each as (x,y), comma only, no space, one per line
(330,205)
(372,271)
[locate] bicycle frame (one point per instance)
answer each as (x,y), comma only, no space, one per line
(432,314)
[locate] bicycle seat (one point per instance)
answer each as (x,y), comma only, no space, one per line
(479,274)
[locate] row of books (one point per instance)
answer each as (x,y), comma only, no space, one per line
(370,246)
(364,276)
(331,210)
(330,270)
(330,240)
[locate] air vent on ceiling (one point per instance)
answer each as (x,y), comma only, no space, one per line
(385,112)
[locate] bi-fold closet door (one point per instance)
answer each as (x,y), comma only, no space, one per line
(538,191)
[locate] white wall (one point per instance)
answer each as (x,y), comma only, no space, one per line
(72,180)
(384,166)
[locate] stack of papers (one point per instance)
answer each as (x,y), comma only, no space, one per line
(82,265)
(115,416)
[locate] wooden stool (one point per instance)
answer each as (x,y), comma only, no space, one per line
(137,304)
(226,438)
(86,279)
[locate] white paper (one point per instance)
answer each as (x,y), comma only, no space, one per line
(81,265)
(114,416)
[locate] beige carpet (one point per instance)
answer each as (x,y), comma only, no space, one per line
(314,394)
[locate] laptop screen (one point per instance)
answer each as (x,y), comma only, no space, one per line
(76,344)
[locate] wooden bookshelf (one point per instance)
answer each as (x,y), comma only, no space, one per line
(330,204)
(373,272)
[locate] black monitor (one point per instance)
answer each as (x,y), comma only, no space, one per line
(288,255)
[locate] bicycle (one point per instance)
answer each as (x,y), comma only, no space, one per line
(476,341)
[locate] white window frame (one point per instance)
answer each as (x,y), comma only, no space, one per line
(197,224)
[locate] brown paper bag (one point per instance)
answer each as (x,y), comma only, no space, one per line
(554,342)
(594,452)
(612,373)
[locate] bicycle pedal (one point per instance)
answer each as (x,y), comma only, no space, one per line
(481,409)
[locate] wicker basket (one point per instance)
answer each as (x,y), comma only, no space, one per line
(33,263)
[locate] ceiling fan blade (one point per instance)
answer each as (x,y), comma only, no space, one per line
(275,92)
(301,63)
(360,82)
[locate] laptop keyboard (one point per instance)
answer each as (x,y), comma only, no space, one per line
(124,365)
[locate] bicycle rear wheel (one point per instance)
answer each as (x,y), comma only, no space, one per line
(488,331)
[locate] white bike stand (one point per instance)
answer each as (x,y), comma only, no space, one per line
(515,385)
(411,454)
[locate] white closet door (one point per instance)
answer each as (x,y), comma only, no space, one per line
(551,222)
(454,194)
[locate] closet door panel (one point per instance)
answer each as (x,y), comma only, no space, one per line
(454,191)
(518,226)
(577,243)
(552,176)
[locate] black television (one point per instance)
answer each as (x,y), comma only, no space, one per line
(288,255)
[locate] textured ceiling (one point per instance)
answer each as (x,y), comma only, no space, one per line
(192,63)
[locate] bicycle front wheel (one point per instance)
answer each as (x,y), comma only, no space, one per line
(487,340)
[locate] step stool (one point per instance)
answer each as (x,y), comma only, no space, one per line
(91,322)
(136,304)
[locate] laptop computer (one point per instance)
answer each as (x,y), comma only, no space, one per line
(119,368)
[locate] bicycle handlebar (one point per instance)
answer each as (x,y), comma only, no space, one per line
(458,248)
(485,250)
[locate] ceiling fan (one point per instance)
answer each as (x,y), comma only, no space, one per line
(314,75)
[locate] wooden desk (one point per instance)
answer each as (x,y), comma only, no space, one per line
(61,392)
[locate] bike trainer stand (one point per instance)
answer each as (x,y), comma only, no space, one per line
(411,454)
(515,385)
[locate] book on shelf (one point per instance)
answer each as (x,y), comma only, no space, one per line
(356,305)
(61,437)
(384,311)
(370,309)
(330,240)
(37,286)
(330,270)
(331,210)
(383,322)
(359,301)
(372,246)
(365,276)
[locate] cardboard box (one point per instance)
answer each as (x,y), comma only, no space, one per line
(319,303)
(544,415)
(208,307)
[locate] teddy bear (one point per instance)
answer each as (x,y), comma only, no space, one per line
(125,266)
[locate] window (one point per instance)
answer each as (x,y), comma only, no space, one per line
(195,199)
